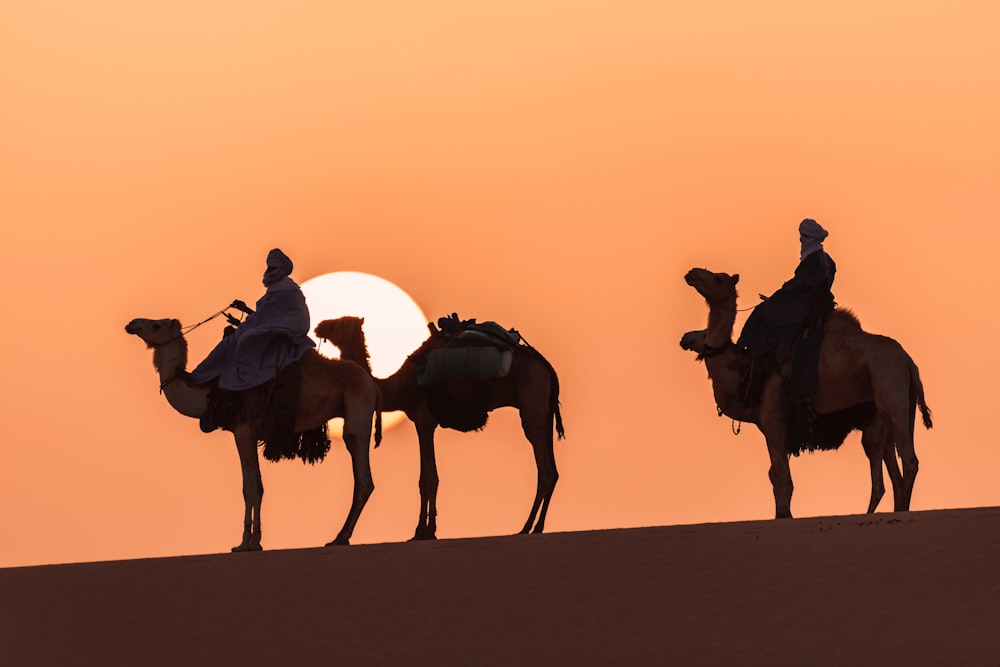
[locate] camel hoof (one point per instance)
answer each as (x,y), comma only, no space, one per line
(339,542)
(247,547)
(423,537)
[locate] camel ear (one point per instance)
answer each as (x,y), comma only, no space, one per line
(736,278)
(361,320)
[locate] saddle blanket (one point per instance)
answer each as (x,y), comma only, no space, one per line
(464,364)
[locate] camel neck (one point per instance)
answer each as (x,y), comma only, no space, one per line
(721,319)
(356,350)
(169,360)
(354,347)
(393,389)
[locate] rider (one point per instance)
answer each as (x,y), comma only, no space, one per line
(789,323)
(268,340)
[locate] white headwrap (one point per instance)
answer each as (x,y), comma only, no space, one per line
(811,235)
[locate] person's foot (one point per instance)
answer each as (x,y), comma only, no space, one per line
(207,423)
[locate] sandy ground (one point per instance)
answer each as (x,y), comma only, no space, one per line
(919,588)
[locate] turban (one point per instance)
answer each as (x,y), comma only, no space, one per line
(278,266)
(279,260)
(812,229)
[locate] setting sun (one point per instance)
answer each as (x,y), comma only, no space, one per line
(394,324)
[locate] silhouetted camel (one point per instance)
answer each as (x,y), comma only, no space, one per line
(329,388)
(876,438)
(531,386)
(855,369)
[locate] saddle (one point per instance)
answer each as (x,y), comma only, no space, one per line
(273,404)
(753,374)
(474,352)
(453,326)
(277,402)
(454,374)
(799,387)
(225,409)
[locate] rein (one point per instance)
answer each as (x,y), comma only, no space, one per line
(709,351)
(184,331)
(188,329)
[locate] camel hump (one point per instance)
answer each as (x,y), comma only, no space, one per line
(843,317)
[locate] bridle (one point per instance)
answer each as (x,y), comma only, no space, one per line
(709,351)
(183,332)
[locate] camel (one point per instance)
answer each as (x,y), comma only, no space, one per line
(531,386)
(856,369)
(875,438)
(329,388)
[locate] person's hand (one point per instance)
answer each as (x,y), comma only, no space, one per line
(232,320)
(240,305)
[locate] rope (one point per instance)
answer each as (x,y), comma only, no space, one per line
(184,331)
(188,329)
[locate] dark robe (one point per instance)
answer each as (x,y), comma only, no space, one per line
(802,302)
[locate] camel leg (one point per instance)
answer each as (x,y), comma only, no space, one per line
(539,434)
(895,476)
(904,444)
(357,438)
(774,426)
(779,472)
(888,451)
(253,490)
(873,439)
(427,522)
(897,410)
(780,475)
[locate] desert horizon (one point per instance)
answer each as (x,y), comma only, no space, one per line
(909,588)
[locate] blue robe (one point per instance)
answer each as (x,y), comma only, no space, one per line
(267,341)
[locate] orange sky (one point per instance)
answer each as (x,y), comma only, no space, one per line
(555,166)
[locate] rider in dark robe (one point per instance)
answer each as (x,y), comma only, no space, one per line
(776,323)
(789,323)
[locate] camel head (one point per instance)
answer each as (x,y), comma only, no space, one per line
(718,288)
(154,332)
(340,330)
(694,341)
(346,333)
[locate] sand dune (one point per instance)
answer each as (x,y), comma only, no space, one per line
(917,588)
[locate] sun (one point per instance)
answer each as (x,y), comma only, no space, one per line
(394,324)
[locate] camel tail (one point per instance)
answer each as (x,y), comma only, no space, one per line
(554,394)
(917,387)
(378,418)
(560,431)
(554,400)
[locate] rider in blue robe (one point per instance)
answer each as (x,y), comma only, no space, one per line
(270,339)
